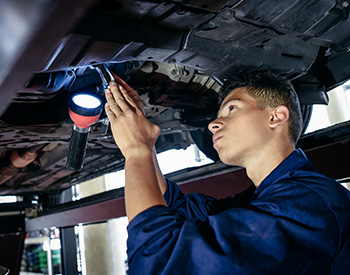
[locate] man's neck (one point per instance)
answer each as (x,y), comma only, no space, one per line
(264,163)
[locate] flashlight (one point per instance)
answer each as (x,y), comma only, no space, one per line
(84,109)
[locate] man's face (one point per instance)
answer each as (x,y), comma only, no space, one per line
(241,128)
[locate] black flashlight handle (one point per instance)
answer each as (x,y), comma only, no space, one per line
(77,148)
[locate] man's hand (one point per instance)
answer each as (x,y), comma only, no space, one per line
(132,131)
(135,137)
(130,91)
(137,100)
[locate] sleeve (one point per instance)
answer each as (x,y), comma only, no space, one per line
(191,205)
(265,236)
(200,206)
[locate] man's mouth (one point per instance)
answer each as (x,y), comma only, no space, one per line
(216,138)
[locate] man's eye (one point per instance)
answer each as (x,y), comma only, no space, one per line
(231,107)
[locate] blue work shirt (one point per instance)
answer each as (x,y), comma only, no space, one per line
(297,221)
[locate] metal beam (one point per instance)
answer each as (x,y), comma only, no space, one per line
(69,251)
(328,149)
(96,208)
(110,204)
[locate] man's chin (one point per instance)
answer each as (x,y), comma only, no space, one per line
(228,160)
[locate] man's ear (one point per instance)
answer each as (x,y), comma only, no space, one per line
(279,116)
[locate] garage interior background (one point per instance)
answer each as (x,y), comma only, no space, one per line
(101,247)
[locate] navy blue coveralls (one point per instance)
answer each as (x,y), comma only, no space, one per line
(297,221)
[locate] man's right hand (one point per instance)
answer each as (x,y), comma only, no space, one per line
(134,134)
(131,92)
(137,100)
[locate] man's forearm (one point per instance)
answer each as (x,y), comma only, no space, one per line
(142,190)
(160,178)
(135,136)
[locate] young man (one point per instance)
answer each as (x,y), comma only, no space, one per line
(294,221)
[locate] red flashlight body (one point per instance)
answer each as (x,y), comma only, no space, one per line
(82,121)
(79,139)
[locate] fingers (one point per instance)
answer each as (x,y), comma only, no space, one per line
(123,83)
(118,101)
(127,97)
(118,96)
(112,108)
(131,92)
(111,115)
(121,97)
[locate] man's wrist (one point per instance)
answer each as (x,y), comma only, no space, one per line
(137,152)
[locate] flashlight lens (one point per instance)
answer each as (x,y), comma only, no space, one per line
(86,101)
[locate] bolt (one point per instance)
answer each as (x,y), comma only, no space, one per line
(345,4)
(226,14)
(177,115)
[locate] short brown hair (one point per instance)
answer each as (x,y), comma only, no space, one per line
(270,91)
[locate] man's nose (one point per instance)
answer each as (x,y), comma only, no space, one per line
(215,125)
